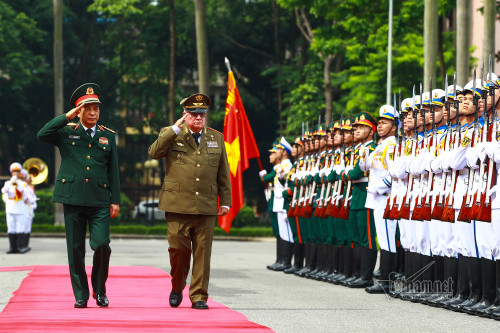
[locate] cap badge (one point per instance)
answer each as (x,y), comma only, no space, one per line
(362,117)
(90,91)
(198,97)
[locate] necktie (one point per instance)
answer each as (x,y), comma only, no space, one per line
(89,132)
(196,136)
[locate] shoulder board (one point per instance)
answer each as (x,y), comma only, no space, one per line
(108,129)
(209,128)
(71,124)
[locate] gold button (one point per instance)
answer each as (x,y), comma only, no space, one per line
(73,143)
(88,156)
(86,180)
(64,180)
(197,165)
(198,152)
(88,168)
(197,193)
(90,145)
(104,185)
(104,148)
(197,179)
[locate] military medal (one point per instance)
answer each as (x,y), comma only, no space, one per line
(212,144)
(103,140)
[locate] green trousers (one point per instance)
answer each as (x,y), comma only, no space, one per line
(186,232)
(366,228)
(76,219)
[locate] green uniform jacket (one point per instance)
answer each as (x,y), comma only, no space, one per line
(196,178)
(89,174)
(269,179)
(359,189)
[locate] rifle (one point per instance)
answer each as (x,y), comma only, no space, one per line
(476,203)
(437,212)
(308,204)
(344,209)
(463,215)
(417,211)
(404,212)
(300,201)
(318,212)
(448,214)
(338,187)
(293,204)
(392,197)
(394,214)
(485,210)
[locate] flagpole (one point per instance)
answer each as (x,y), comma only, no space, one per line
(228,65)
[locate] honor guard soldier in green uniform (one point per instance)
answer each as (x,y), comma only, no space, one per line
(88,186)
(196,181)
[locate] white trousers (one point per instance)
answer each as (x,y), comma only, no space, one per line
(495,235)
(446,239)
(386,230)
(423,245)
(484,232)
(404,234)
(284,226)
(15,223)
(434,237)
(465,237)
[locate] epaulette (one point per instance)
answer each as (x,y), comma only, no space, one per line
(105,128)
(71,124)
(209,128)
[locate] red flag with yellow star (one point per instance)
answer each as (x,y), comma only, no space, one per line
(240,147)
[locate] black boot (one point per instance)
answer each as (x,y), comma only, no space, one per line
(368,261)
(356,265)
(287,253)
(487,285)
(13,247)
(334,251)
(494,310)
(474,275)
(329,262)
(388,266)
(450,271)
(278,255)
(22,243)
(318,261)
(310,260)
(438,278)
(407,271)
(348,267)
(307,250)
(424,285)
(298,258)
(401,263)
(340,265)
(463,290)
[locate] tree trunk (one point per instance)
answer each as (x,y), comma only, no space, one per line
(171,80)
(58,89)
(430,41)
(463,41)
(276,21)
(489,32)
(442,65)
(202,49)
(328,87)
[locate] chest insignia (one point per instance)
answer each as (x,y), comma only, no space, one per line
(74,137)
(103,140)
(212,144)
(180,144)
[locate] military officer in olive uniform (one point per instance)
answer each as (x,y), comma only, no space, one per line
(196,181)
(88,186)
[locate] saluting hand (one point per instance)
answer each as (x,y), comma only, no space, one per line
(179,122)
(114,209)
(74,112)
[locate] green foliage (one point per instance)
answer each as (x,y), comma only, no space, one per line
(246,217)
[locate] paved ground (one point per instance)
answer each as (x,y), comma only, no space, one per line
(240,281)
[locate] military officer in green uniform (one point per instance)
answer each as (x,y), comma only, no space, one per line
(88,186)
(196,180)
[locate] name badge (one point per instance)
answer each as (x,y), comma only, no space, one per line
(103,140)
(212,144)
(74,137)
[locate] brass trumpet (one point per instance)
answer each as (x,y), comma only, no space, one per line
(37,169)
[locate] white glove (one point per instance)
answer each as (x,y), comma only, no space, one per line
(13,179)
(262,173)
(472,156)
(381,187)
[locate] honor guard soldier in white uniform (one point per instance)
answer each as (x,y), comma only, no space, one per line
(379,186)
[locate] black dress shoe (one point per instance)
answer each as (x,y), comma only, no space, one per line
(175,299)
(81,303)
(200,305)
(101,300)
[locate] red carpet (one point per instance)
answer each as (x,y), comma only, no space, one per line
(138,302)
